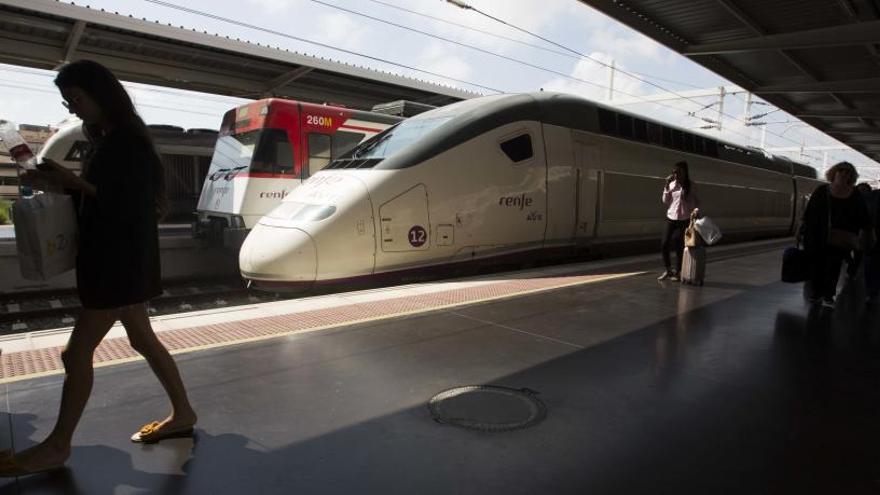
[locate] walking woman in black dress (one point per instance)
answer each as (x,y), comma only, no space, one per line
(120,198)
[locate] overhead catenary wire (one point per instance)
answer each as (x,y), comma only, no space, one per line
(529,64)
(259,28)
(324,45)
(514,40)
(316,43)
(461,4)
(137,104)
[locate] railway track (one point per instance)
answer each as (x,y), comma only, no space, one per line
(41,310)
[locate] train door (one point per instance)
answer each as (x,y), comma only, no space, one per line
(587,176)
(562,187)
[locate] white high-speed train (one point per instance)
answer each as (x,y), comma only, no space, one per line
(509,175)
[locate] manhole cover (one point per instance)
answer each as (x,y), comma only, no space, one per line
(487,408)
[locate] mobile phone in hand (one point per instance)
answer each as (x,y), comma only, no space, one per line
(45,167)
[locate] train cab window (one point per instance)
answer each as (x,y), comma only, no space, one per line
(688,142)
(607,121)
(272,152)
(320,149)
(518,149)
(667,137)
(344,141)
(641,129)
(625,126)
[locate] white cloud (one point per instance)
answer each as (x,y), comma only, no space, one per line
(275,6)
(623,45)
(341,29)
(436,58)
(598,75)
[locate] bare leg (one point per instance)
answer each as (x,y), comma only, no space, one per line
(143,339)
(91,327)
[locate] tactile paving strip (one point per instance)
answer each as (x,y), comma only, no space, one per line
(27,364)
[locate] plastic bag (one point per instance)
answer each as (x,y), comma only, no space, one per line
(708,230)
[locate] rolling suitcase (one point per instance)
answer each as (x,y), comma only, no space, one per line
(693,266)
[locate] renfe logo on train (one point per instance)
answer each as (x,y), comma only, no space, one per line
(522,201)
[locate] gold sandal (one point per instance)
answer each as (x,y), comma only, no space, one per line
(155,432)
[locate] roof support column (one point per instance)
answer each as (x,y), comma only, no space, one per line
(73,38)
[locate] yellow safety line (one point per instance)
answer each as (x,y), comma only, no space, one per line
(114,362)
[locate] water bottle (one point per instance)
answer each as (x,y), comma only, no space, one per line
(19,150)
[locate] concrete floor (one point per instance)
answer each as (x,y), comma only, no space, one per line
(735,387)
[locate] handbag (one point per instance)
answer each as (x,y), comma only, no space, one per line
(45,235)
(795,264)
(691,236)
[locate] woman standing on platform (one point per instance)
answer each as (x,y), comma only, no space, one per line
(680,201)
(835,215)
(120,198)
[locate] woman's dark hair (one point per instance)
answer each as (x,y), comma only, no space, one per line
(116,106)
(684,177)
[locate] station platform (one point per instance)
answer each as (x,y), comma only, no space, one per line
(646,387)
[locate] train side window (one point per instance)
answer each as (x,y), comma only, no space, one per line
(320,149)
(518,149)
(641,129)
(655,133)
(667,137)
(700,145)
(677,139)
(711,147)
(344,141)
(688,142)
(625,126)
(607,121)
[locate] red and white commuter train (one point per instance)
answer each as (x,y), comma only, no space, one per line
(264,151)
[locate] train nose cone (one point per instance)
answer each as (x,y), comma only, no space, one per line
(279,255)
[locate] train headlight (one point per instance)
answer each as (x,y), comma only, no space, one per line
(292,210)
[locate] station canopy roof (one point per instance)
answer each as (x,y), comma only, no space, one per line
(45,33)
(816,59)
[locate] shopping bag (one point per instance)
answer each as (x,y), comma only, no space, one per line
(45,235)
(708,230)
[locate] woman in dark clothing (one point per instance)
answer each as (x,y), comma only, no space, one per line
(120,198)
(872,258)
(834,217)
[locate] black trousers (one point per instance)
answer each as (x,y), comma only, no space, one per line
(673,238)
(825,267)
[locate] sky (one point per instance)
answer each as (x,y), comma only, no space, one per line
(643,66)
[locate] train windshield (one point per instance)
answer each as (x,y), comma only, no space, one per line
(394,139)
(262,151)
